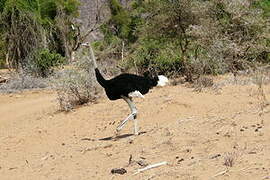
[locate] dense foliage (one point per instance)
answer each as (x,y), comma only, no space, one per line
(29,25)
(174,37)
(189,37)
(42,61)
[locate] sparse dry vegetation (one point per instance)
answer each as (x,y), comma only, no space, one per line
(261,78)
(229,159)
(23,81)
(76,85)
(202,82)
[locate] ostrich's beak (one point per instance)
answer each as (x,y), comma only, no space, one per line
(85,44)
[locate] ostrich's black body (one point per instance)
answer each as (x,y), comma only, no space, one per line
(124,84)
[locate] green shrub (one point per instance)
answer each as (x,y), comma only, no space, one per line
(43,61)
(264,5)
(2,53)
(27,25)
(189,37)
(158,54)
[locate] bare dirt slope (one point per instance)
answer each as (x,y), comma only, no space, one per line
(193,132)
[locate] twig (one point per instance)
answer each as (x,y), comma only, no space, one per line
(3,80)
(96,148)
(221,173)
(130,159)
(150,167)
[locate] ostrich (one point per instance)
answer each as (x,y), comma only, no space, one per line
(126,86)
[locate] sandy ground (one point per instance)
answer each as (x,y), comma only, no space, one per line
(194,132)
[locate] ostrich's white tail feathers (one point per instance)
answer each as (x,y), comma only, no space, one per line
(136,94)
(162,80)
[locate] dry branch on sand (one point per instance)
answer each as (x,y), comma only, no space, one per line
(150,167)
(3,80)
(221,173)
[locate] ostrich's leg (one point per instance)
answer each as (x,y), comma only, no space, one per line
(132,116)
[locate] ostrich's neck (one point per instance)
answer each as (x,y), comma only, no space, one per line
(93,57)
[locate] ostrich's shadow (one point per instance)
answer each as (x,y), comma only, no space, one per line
(114,138)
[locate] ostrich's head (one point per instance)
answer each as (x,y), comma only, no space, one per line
(86,44)
(152,77)
(156,80)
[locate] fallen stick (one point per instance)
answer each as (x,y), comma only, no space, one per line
(95,148)
(150,167)
(221,173)
(3,80)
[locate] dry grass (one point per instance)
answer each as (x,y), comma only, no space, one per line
(229,159)
(203,82)
(22,81)
(76,85)
(261,77)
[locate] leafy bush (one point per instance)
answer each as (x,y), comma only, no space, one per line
(163,38)
(120,21)
(2,53)
(22,32)
(156,54)
(194,37)
(29,25)
(119,30)
(42,62)
(264,5)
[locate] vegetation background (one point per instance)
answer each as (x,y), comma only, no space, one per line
(187,38)
(206,128)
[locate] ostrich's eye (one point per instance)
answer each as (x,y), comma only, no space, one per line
(146,74)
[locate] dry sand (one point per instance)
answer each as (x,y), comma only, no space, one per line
(194,132)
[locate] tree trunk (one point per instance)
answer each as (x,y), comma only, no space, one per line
(7,61)
(122,53)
